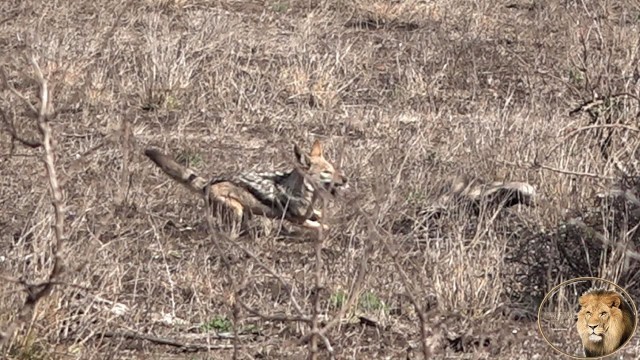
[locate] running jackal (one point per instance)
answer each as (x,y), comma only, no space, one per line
(287,195)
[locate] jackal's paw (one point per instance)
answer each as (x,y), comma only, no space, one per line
(315,225)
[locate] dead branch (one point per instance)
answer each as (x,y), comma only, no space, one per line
(16,93)
(577,131)
(601,126)
(276,318)
(603,239)
(38,291)
(123,192)
(215,235)
(356,287)
(254,257)
(406,282)
(10,127)
(315,309)
(588,105)
(535,166)
(183,346)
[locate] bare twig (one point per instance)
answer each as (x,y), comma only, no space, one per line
(603,239)
(38,291)
(14,134)
(576,131)
(602,126)
(255,258)
(355,288)
(315,310)
(215,235)
(121,196)
(277,318)
(534,166)
(15,92)
(405,280)
(183,346)
(588,105)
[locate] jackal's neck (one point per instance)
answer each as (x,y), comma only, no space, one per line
(296,184)
(296,193)
(287,191)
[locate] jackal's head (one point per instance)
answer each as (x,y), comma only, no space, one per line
(319,169)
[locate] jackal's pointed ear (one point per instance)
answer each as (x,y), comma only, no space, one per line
(301,157)
(316,149)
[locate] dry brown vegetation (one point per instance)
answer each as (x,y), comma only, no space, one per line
(406,94)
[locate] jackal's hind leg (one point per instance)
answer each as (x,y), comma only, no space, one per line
(258,226)
(228,216)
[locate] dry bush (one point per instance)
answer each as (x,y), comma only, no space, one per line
(408,93)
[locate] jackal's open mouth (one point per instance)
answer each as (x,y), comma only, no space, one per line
(336,189)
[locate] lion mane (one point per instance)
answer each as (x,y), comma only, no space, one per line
(605,322)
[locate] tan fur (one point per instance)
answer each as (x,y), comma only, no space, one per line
(475,195)
(285,195)
(605,322)
(494,194)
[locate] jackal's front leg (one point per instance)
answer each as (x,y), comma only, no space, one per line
(314,225)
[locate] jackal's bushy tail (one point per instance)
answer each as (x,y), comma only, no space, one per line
(179,173)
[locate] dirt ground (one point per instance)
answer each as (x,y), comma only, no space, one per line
(404,94)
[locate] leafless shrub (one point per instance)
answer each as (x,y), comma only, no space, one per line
(416,91)
(42,112)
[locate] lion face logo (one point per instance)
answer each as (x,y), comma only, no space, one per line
(597,317)
(605,322)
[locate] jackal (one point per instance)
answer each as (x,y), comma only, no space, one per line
(471,195)
(475,193)
(292,195)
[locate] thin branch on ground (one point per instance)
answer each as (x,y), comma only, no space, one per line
(276,318)
(10,128)
(183,346)
(588,105)
(536,166)
(125,142)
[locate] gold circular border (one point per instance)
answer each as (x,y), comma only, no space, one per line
(629,298)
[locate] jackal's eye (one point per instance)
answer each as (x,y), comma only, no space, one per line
(603,314)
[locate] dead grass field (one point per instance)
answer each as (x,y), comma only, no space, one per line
(404,93)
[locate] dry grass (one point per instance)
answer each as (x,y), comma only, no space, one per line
(406,93)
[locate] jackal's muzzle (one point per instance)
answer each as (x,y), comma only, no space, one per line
(337,185)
